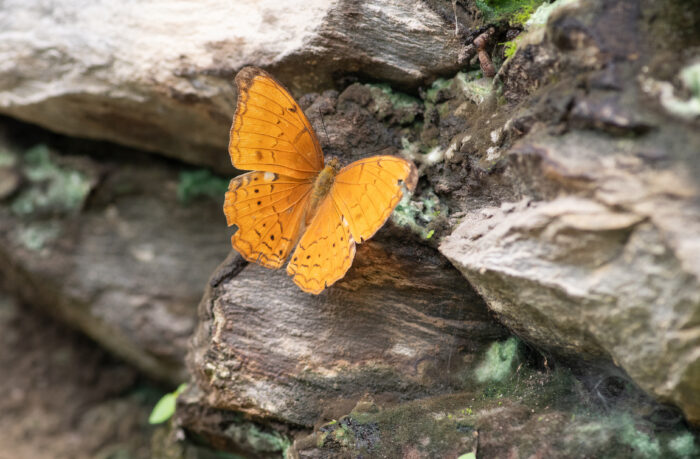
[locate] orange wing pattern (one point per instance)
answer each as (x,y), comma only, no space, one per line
(268,209)
(270,132)
(325,252)
(271,205)
(367,191)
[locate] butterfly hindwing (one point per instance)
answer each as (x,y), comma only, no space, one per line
(270,131)
(325,251)
(268,209)
(367,191)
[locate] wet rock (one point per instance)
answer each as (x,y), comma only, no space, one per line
(159,77)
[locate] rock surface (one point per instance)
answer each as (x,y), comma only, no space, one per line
(594,251)
(63,397)
(160,76)
(391,328)
(109,247)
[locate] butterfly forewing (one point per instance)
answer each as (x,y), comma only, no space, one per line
(270,132)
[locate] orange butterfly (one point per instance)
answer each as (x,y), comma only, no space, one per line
(291,197)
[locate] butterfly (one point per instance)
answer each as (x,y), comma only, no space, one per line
(292,198)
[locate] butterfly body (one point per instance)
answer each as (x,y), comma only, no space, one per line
(322,186)
(291,198)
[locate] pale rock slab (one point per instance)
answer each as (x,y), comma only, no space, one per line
(159,75)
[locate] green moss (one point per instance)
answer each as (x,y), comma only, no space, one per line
(52,189)
(641,443)
(509,48)
(499,361)
(432,95)
(683,445)
(261,441)
(200,182)
(516,12)
(389,103)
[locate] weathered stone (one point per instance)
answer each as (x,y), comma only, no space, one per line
(109,248)
(392,327)
(506,409)
(160,77)
(592,247)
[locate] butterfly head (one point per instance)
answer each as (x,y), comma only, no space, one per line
(334,164)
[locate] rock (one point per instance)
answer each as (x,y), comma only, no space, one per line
(506,406)
(62,396)
(392,327)
(108,247)
(160,77)
(591,250)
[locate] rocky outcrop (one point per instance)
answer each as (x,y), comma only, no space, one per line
(559,199)
(391,328)
(108,246)
(595,252)
(160,77)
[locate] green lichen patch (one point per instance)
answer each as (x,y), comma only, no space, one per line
(200,183)
(608,435)
(436,93)
(393,106)
(259,440)
(418,214)
(687,108)
(474,86)
(52,189)
(420,429)
(515,12)
(499,362)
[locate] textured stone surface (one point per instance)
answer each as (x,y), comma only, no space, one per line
(391,328)
(159,76)
(109,248)
(62,396)
(592,249)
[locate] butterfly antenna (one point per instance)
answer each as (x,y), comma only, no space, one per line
(323,123)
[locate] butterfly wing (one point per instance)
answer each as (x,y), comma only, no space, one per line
(270,132)
(366,192)
(325,252)
(268,209)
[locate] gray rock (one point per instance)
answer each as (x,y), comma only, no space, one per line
(110,248)
(160,77)
(592,249)
(391,328)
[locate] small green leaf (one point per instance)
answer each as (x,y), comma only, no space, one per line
(165,408)
(430,234)
(471,455)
